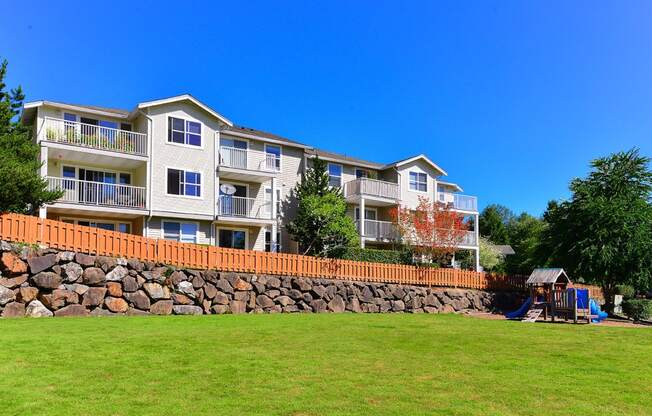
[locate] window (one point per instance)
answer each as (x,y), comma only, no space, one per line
(238,144)
(369,214)
(186,232)
(361,173)
(70,117)
(184,132)
(125,179)
(123,227)
(268,241)
(184,183)
(418,182)
(69,172)
(268,201)
(125,126)
(232,239)
(273,157)
(334,175)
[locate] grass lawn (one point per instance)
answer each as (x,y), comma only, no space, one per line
(394,364)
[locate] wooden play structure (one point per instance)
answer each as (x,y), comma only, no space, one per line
(552,295)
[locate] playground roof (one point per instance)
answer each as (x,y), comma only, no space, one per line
(545,275)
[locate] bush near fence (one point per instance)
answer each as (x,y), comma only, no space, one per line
(64,236)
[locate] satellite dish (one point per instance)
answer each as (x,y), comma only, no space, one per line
(227,189)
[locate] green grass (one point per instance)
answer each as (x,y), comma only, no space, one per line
(321,364)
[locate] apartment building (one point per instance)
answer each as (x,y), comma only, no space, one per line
(175,168)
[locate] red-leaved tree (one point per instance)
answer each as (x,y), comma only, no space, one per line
(432,230)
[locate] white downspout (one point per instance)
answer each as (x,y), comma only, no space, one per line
(150,147)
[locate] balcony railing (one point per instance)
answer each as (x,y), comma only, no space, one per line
(372,187)
(238,206)
(380,230)
(469,239)
(457,201)
(95,137)
(98,193)
(249,159)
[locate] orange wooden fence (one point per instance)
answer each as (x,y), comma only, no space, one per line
(64,236)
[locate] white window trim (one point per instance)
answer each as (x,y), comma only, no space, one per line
(217,235)
(328,171)
(367,172)
(163,222)
(201,186)
(416,190)
(280,154)
(357,209)
(184,144)
(278,200)
(96,220)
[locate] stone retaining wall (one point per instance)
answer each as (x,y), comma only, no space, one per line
(45,282)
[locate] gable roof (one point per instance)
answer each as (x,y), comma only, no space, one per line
(186,97)
(417,157)
(547,275)
(29,109)
(451,185)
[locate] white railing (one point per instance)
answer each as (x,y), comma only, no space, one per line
(380,230)
(97,193)
(458,201)
(96,137)
(238,206)
(372,187)
(249,159)
(469,239)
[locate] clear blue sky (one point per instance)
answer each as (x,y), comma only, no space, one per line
(511,98)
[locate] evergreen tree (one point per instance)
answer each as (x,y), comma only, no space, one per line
(494,220)
(23,190)
(321,226)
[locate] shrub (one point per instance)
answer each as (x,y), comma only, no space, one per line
(378,256)
(627,291)
(638,309)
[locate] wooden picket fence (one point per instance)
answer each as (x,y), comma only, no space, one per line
(64,236)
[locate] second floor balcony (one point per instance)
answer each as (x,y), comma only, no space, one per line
(98,194)
(372,189)
(458,201)
(248,164)
(94,136)
(241,209)
(378,230)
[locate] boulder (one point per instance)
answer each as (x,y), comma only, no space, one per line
(77,288)
(84,260)
(337,304)
(181,299)
(94,296)
(139,299)
(198,282)
(303,285)
(136,265)
(5,246)
(244,296)
(239,284)
(318,305)
(221,299)
(93,276)
(12,282)
(210,275)
(238,306)
(129,284)
(72,310)
(72,272)
(114,289)
(447,309)
(12,264)
(38,264)
(354,305)
(366,295)
(186,288)
(14,310)
(156,291)
(224,286)
(106,263)
(104,312)
(117,274)
(177,277)
(35,309)
(220,309)
(210,291)
(116,304)
(65,256)
(47,280)
(273,282)
(187,310)
(284,300)
(62,297)
(398,305)
(136,312)
(264,301)
(27,294)
(162,307)
(318,291)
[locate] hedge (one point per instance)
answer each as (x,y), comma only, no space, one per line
(638,309)
(378,256)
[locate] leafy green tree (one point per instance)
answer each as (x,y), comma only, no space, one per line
(23,190)
(524,236)
(494,220)
(603,234)
(491,259)
(321,226)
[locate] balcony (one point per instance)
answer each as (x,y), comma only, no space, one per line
(94,137)
(384,193)
(457,201)
(98,194)
(247,164)
(378,230)
(239,210)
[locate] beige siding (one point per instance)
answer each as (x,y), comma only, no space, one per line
(410,198)
(155,229)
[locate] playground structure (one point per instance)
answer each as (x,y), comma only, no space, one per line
(552,295)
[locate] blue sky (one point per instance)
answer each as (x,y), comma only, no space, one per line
(512,98)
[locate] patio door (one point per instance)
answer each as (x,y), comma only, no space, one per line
(101,191)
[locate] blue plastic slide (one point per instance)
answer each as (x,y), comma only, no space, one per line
(595,310)
(520,311)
